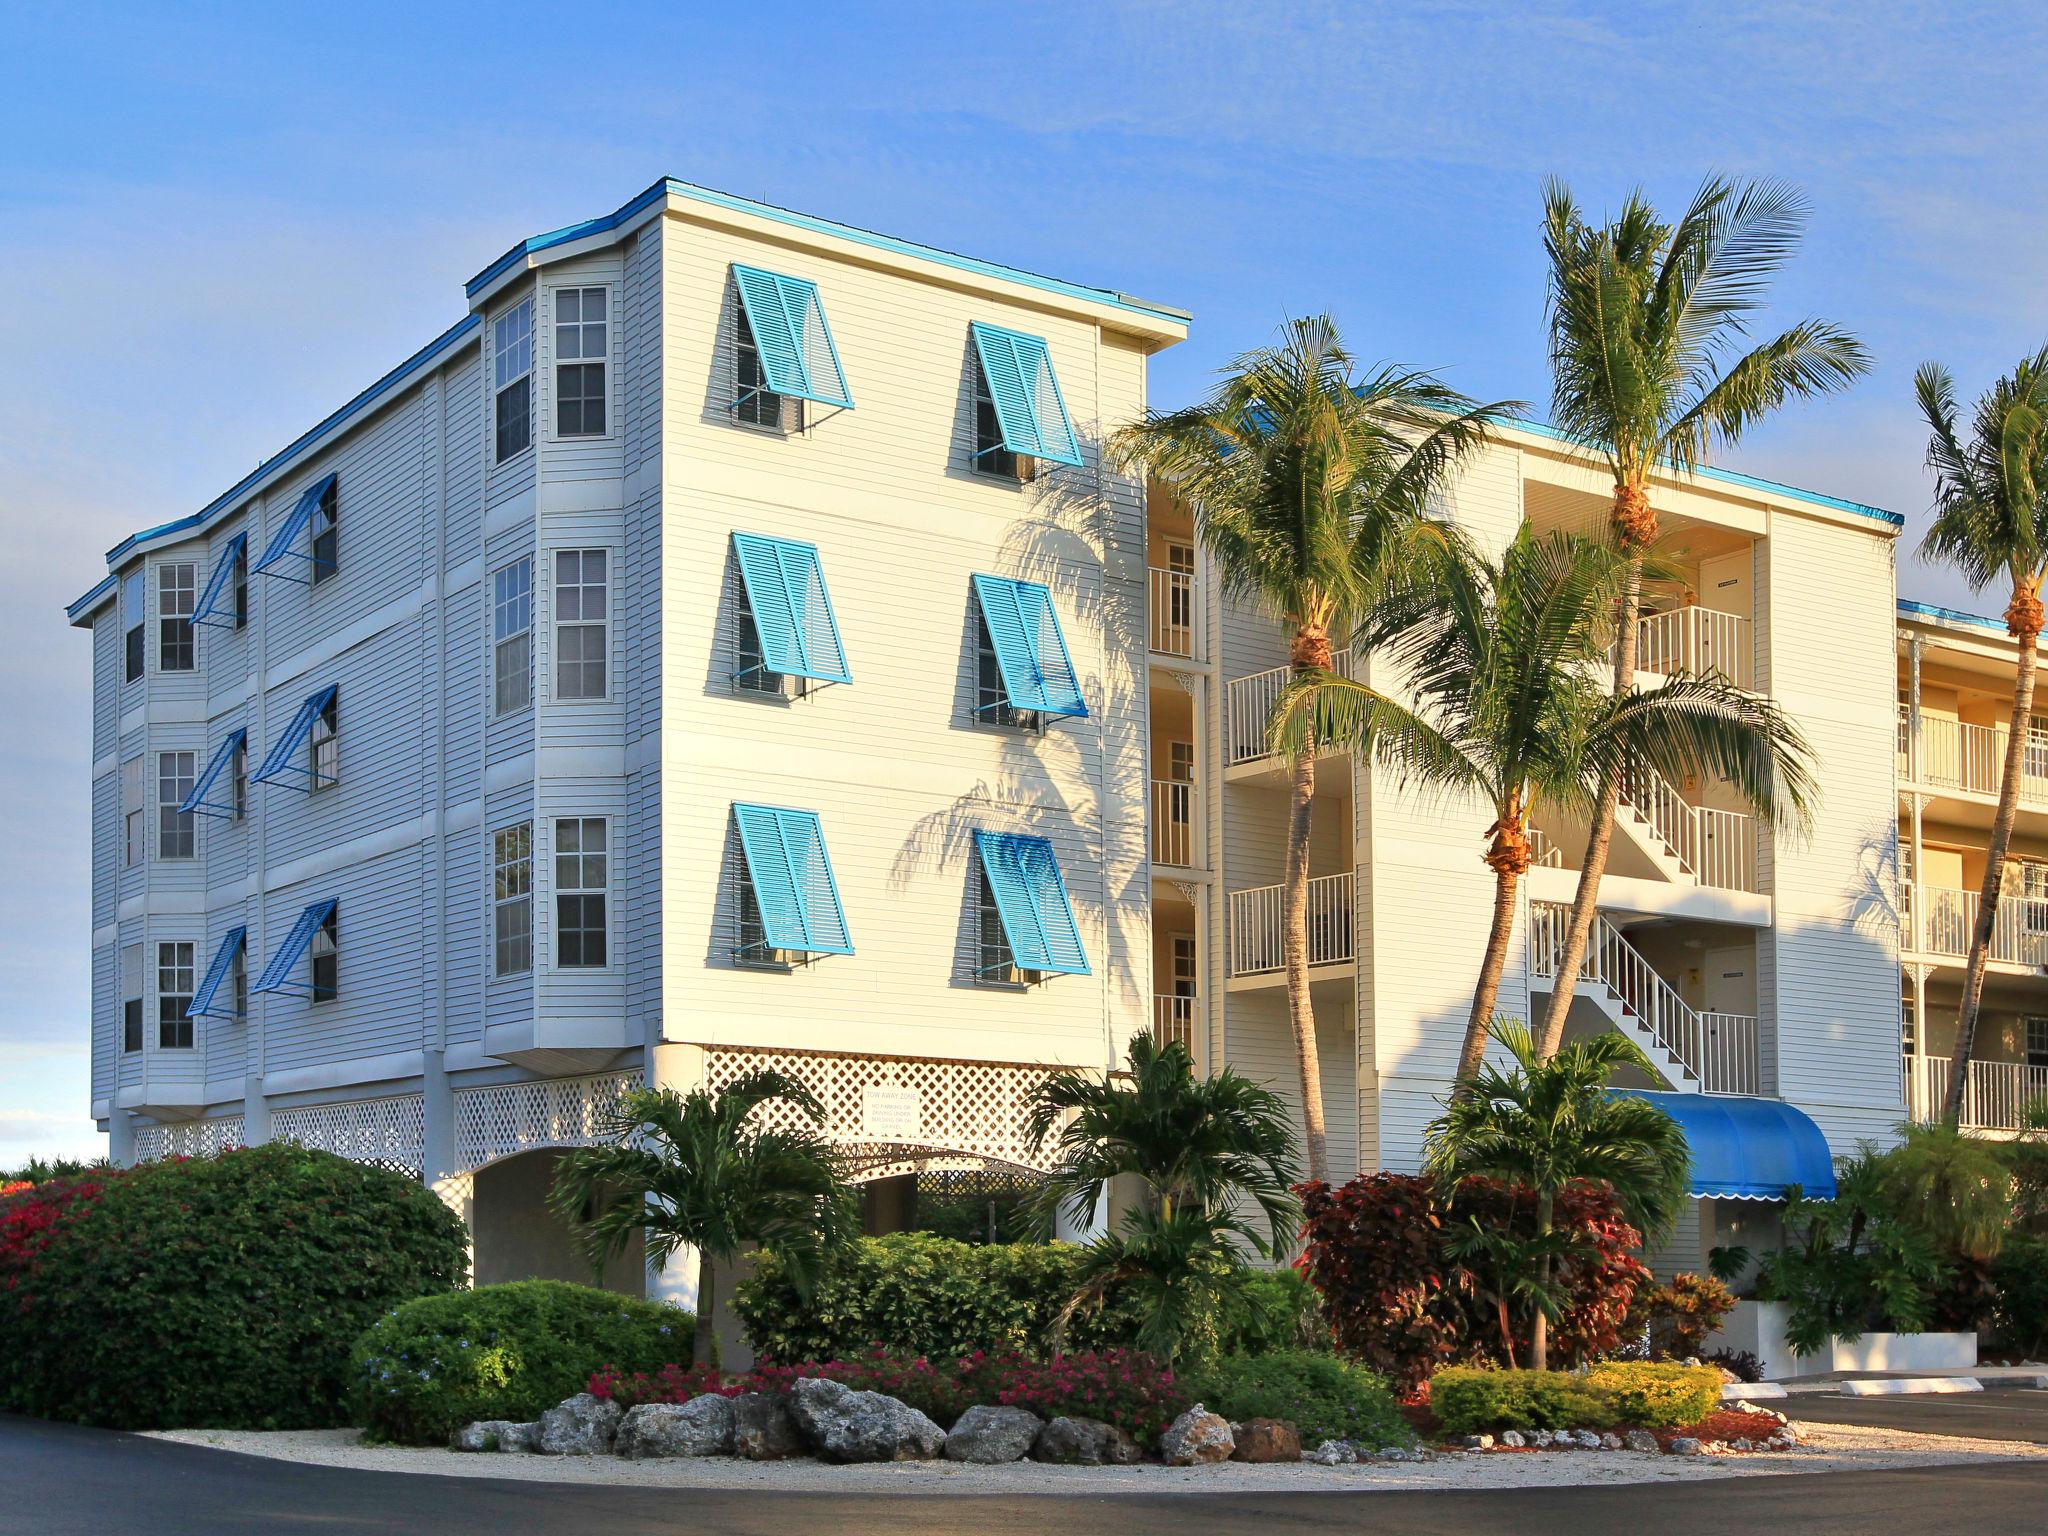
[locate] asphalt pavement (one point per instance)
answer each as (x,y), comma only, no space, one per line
(2000,1413)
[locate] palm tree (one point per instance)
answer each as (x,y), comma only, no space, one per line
(1205,1148)
(1991,521)
(1642,317)
(1502,661)
(1543,1125)
(1955,1188)
(688,1170)
(1308,482)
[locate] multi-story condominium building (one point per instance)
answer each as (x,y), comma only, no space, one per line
(727,648)
(1956,675)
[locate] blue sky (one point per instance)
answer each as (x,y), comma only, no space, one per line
(218,221)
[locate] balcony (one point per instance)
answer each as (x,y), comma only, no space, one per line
(1173,1020)
(1995,1099)
(1258,934)
(1176,834)
(1248,708)
(1174,617)
(1697,640)
(1955,755)
(1712,847)
(1939,920)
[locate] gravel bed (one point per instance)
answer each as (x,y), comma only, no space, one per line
(1830,1448)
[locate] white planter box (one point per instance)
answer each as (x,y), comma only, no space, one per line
(1759,1328)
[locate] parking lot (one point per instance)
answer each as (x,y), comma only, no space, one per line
(1997,1414)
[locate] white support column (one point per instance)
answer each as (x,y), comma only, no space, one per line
(680,1067)
(121,1138)
(255,1111)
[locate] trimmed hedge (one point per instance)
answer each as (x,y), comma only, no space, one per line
(1471,1400)
(1326,1398)
(219,1292)
(501,1352)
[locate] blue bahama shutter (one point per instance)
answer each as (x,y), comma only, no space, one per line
(1031,900)
(217,975)
(277,975)
(792,879)
(222,756)
(1026,392)
(792,610)
(280,549)
(1031,650)
(787,319)
(219,585)
(278,762)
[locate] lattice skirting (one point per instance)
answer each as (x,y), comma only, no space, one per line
(388,1132)
(188,1138)
(496,1122)
(895,1114)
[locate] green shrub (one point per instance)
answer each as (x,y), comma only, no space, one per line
(1269,1312)
(916,1294)
(2019,1292)
(1473,1400)
(1659,1396)
(502,1352)
(222,1291)
(1325,1398)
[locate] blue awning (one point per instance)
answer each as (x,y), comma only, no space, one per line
(221,584)
(1031,650)
(792,610)
(277,975)
(792,879)
(787,319)
(216,975)
(279,765)
(1029,407)
(223,755)
(1031,900)
(280,549)
(1749,1149)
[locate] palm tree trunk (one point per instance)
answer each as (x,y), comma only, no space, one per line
(1629,527)
(1539,1329)
(1300,1007)
(702,1342)
(2023,619)
(1509,858)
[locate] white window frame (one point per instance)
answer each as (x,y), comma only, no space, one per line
(175,829)
(323,747)
(512,898)
(325,945)
(134,829)
(132,989)
(134,626)
(177,594)
(238,778)
(512,344)
(176,977)
(512,627)
(572,878)
(575,347)
(325,523)
(579,621)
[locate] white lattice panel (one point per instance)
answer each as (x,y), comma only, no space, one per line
(188,1138)
(388,1132)
(896,1114)
(496,1122)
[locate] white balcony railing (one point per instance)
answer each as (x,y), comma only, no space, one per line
(1543,852)
(1173,823)
(1174,616)
(1939,920)
(1248,707)
(1716,848)
(1971,758)
(1699,641)
(1996,1098)
(1258,934)
(1173,1020)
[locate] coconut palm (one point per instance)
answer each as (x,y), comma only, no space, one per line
(1206,1148)
(1991,523)
(1643,318)
(691,1171)
(1501,662)
(1542,1126)
(1309,480)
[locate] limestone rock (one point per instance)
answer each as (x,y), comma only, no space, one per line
(1079,1442)
(1197,1438)
(1513,1439)
(1476,1442)
(1334,1453)
(1685,1445)
(579,1426)
(762,1429)
(700,1427)
(988,1434)
(1610,1441)
(1399,1453)
(1265,1440)
(1586,1440)
(841,1424)
(496,1435)
(1642,1440)
(1740,1443)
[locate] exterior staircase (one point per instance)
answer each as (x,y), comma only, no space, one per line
(1693,1051)
(1690,844)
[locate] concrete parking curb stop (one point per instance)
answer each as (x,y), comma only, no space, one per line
(1911,1384)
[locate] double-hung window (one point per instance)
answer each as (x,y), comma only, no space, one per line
(758,405)
(177,834)
(324,740)
(2037,1043)
(131,997)
(512,899)
(315,731)
(173,997)
(134,624)
(177,589)
(229,969)
(992,704)
(316,937)
(132,834)
(1027,926)
(224,600)
(512,369)
(512,637)
(581,349)
(582,591)
(581,873)
(316,518)
(324,956)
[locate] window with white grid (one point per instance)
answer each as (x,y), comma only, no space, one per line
(582,603)
(177,592)
(324,742)
(512,899)
(131,997)
(512,370)
(512,636)
(134,625)
(581,349)
(174,980)
(176,835)
(132,772)
(582,860)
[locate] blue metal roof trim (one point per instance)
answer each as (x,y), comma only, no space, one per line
(222,756)
(791,871)
(276,975)
(1748,1149)
(1031,900)
(1952,616)
(216,973)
